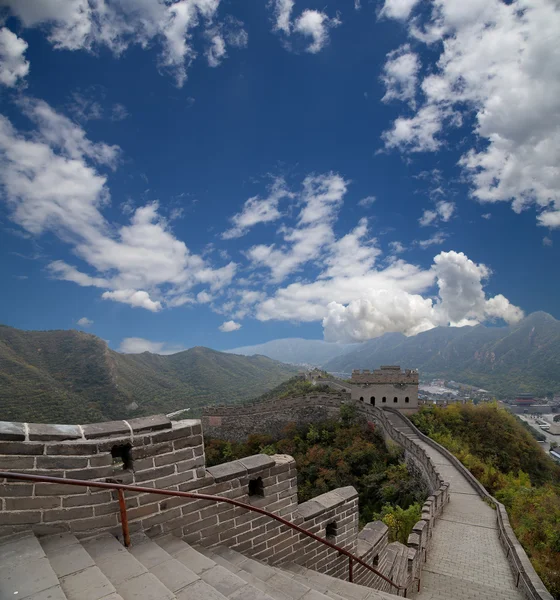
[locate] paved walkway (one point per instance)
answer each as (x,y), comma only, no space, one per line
(465,558)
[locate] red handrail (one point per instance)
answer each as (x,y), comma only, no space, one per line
(121,487)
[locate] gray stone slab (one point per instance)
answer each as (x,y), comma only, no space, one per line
(20,550)
(195,561)
(223,580)
(54,543)
(310,509)
(199,590)
(50,433)
(153,423)
(11,431)
(171,544)
(248,592)
(89,584)
(103,546)
(101,430)
(258,462)
(54,593)
(70,559)
(227,471)
(145,587)
(149,554)
(23,579)
(120,567)
(329,500)
(174,575)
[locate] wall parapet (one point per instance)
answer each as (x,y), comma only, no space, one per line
(527,578)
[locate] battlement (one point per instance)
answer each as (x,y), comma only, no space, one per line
(386,374)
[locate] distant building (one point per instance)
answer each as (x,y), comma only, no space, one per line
(524,400)
(388,386)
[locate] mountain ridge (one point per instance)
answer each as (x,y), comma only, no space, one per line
(66,376)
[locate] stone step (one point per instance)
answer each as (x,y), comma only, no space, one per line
(79,576)
(325,584)
(226,581)
(129,576)
(25,571)
(279,585)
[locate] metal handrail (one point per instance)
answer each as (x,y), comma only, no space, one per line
(122,487)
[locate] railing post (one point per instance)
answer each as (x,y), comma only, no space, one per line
(124,519)
(350,570)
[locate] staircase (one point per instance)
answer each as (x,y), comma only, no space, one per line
(61,567)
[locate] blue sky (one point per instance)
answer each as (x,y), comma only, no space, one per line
(205,172)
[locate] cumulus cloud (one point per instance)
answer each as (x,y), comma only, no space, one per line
(396,247)
(13,66)
(496,68)
(52,181)
(310,23)
(400,75)
(228,326)
(83,25)
(85,322)
(136,345)
(443,212)
(461,301)
(258,210)
(436,239)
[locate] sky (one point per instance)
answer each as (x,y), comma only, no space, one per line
(219,173)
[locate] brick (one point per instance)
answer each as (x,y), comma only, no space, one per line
(16,490)
(26,448)
(58,489)
(16,463)
(159,518)
(44,432)
(174,457)
(142,511)
(101,460)
(87,499)
(68,514)
(94,523)
(179,431)
(12,431)
(62,462)
(154,473)
(107,429)
(190,465)
(153,450)
(173,480)
(153,423)
(71,449)
(106,509)
(187,442)
(96,473)
(227,471)
(257,463)
(143,463)
(32,503)
(20,518)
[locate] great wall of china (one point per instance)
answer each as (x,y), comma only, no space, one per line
(157,453)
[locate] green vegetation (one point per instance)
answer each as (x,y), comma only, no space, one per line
(73,377)
(510,464)
(295,387)
(334,454)
(524,357)
(538,435)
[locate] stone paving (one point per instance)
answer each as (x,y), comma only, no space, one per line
(465,559)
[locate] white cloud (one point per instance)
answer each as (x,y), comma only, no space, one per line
(315,25)
(52,183)
(398,9)
(84,25)
(487,216)
(547,241)
(310,23)
(321,198)
(367,201)
(85,322)
(13,66)
(497,64)
(400,74)
(443,212)
(461,301)
(396,247)
(204,297)
(135,345)
(228,326)
(436,239)
(119,112)
(258,210)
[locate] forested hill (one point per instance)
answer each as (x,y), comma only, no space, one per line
(506,360)
(73,377)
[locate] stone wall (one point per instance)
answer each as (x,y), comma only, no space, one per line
(235,423)
(387,395)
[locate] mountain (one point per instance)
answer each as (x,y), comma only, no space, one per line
(73,377)
(506,360)
(297,351)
